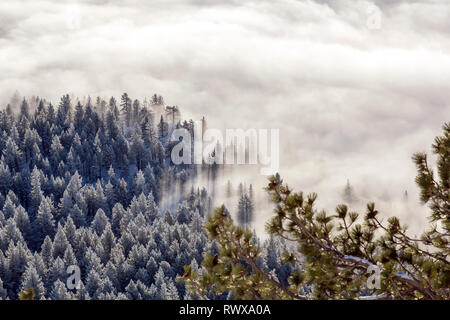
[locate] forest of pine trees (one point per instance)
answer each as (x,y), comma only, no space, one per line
(92,185)
(83,183)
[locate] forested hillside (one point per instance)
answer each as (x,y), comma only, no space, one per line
(91,184)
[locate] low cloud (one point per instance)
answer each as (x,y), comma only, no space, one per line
(352,102)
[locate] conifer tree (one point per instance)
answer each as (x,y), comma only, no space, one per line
(99,222)
(23,223)
(60,243)
(31,279)
(64,114)
(245,211)
(136,110)
(241,190)
(36,193)
(113,108)
(162,128)
(79,117)
(348,194)
(148,133)
(78,217)
(24,109)
(126,108)
(6,179)
(45,222)
(47,251)
(59,291)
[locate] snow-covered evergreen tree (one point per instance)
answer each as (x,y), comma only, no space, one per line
(31,279)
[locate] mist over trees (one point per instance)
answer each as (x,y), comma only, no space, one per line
(338,255)
(81,184)
(92,184)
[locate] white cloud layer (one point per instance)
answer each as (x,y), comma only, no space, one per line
(352,99)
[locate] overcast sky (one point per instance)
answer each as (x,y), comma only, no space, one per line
(355,87)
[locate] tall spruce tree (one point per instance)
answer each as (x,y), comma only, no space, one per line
(126,108)
(348,195)
(245,211)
